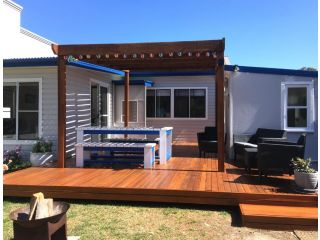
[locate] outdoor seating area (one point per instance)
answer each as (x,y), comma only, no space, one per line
(186,178)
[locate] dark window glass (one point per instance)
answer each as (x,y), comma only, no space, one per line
(181,103)
(103,106)
(151,103)
(297,96)
(9,112)
(94,106)
(163,101)
(197,103)
(297,117)
(28,111)
(29,96)
(28,125)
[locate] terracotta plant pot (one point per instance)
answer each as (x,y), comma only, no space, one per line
(38,159)
(306,180)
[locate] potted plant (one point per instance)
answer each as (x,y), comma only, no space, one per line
(41,152)
(304,175)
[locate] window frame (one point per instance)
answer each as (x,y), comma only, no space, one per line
(310,105)
(16,141)
(172,104)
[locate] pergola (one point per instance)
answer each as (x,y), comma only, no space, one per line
(157,56)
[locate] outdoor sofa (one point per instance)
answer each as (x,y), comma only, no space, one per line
(261,135)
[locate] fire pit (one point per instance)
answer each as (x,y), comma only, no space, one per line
(53,227)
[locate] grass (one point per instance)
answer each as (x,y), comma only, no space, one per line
(110,220)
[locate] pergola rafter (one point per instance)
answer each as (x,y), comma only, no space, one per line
(169,56)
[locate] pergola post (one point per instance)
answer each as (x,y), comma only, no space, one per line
(220,111)
(61,111)
(126,98)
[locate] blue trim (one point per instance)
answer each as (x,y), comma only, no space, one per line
(53,61)
(94,67)
(275,71)
(136,132)
(30,62)
(112,161)
(126,149)
(162,74)
(146,83)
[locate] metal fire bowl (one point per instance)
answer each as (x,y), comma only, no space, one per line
(21,215)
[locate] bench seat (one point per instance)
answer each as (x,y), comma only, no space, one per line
(147,149)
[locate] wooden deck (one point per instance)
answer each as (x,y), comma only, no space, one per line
(184,179)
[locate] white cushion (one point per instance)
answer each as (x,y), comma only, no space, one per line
(247,144)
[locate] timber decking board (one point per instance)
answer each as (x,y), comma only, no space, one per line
(179,180)
(185,178)
(279,217)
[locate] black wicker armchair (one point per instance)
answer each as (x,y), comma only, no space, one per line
(277,155)
(207,141)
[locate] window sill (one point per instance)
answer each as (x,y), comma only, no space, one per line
(19,142)
(299,130)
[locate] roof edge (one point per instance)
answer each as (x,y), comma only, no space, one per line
(13,5)
(35,36)
(275,71)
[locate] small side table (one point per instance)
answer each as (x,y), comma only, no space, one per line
(250,158)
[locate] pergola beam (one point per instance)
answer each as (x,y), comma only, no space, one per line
(136,48)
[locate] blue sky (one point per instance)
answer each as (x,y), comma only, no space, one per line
(273,33)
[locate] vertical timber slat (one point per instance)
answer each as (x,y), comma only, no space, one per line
(61,111)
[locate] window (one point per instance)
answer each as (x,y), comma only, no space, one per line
(133,111)
(298,106)
(159,103)
(185,103)
(197,103)
(21,110)
(181,103)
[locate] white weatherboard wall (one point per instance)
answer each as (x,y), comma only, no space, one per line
(79,101)
(186,129)
(256,103)
(20,42)
(49,111)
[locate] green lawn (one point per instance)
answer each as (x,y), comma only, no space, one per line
(110,220)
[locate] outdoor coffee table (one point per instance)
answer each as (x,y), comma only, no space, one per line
(250,158)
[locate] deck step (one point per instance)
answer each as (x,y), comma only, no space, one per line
(279,217)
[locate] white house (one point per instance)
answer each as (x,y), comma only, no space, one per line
(185,100)
(20,42)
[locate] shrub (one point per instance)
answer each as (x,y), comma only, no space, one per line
(42,146)
(12,160)
(302,165)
